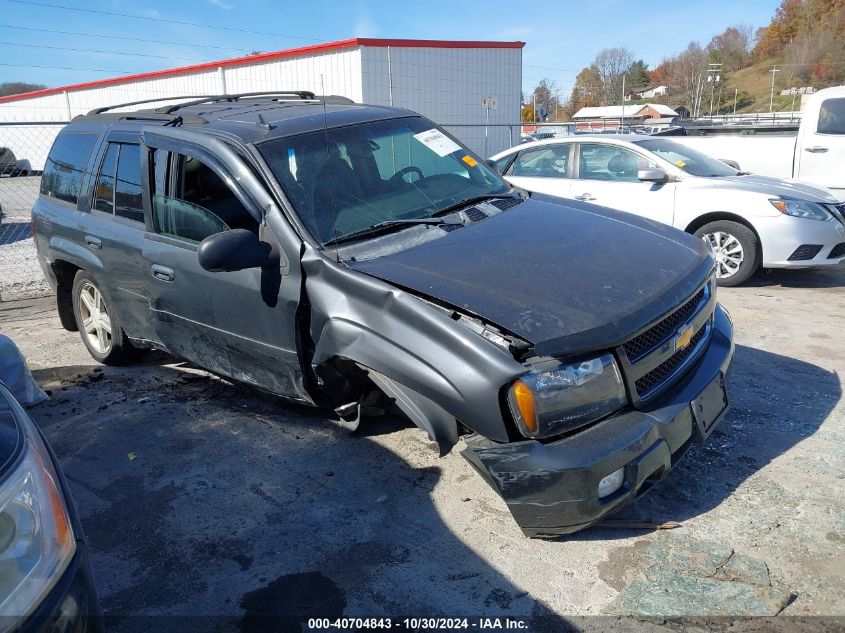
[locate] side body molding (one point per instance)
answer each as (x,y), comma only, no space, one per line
(438,371)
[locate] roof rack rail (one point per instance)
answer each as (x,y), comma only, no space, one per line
(302,95)
(142,102)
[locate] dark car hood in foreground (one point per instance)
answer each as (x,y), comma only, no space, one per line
(563,275)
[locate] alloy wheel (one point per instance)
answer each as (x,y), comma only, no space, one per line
(727,251)
(96,322)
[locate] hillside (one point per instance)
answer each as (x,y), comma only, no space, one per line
(754,86)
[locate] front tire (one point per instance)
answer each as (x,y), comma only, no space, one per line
(98,324)
(736,250)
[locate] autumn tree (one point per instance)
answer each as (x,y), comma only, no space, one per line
(587,91)
(685,72)
(731,48)
(546,96)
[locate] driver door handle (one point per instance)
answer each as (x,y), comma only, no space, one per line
(816,149)
(585,197)
(162,272)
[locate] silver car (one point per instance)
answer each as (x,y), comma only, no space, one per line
(750,221)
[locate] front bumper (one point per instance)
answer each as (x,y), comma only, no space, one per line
(782,235)
(552,488)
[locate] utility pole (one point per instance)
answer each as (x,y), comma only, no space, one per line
(622,123)
(772,93)
(713,77)
(736,93)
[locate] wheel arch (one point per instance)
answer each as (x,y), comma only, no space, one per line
(714,216)
(65,273)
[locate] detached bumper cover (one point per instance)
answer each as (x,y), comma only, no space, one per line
(553,488)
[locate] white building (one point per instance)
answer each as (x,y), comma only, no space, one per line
(447,81)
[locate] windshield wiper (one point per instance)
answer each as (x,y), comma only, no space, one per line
(381,226)
(473,200)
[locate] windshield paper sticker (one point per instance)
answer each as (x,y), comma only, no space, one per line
(437,142)
(469,160)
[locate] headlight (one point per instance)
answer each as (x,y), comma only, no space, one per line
(801,208)
(551,400)
(36,539)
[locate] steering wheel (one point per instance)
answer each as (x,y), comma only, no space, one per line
(397,178)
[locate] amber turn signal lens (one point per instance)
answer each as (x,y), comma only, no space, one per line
(525,403)
(780,205)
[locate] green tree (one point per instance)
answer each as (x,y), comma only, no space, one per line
(637,76)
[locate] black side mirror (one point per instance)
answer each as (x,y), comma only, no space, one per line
(233,250)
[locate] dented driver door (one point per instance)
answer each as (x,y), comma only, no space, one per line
(239,324)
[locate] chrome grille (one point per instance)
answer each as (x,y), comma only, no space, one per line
(660,374)
(659,333)
(649,361)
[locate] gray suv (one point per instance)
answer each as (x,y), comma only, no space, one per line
(327,251)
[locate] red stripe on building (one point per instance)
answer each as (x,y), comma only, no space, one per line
(264,57)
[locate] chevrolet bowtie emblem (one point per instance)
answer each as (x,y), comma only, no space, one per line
(682,340)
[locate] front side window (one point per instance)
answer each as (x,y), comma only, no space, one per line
(611,163)
(191,202)
(832,117)
(344,180)
(691,161)
(62,177)
(542,162)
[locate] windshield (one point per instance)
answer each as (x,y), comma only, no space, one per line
(344,180)
(689,160)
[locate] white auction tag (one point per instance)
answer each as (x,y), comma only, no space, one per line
(437,142)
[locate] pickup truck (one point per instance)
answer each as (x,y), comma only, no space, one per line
(815,155)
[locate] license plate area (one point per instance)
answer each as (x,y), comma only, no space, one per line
(708,407)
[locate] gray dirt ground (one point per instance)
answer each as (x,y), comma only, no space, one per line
(202,497)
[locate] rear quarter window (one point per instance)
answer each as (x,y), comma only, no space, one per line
(832,117)
(62,177)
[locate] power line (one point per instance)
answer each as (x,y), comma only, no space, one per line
(92,50)
(93,70)
(165,20)
(121,37)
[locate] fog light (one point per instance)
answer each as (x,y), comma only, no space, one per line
(611,483)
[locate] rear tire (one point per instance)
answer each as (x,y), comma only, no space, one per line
(736,250)
(98,324)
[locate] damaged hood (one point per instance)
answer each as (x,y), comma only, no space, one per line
(563,275)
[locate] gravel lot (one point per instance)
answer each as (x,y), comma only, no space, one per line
(20,274)
(201,497)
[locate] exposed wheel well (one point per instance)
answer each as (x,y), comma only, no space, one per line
(65,272)
(724,215)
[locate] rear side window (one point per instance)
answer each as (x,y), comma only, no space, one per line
(550,161)
(118,188)
(832,117)
(62,177)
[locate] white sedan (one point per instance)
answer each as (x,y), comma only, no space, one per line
(751,221)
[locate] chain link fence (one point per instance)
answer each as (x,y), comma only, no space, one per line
(23,150)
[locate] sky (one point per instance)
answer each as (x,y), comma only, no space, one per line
(40,41)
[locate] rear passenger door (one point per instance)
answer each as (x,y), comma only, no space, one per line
(239,324)
(116,231)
